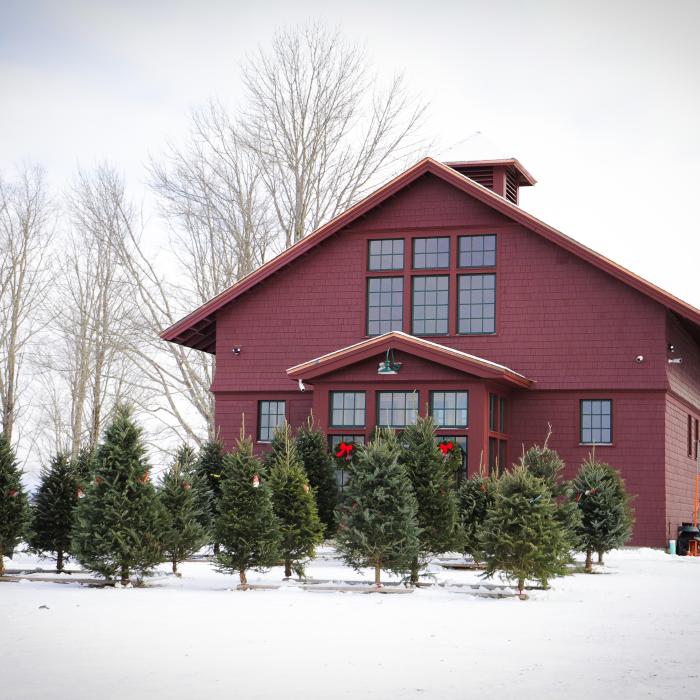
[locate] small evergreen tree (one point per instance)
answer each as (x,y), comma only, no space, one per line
(377,522)
(14,504)
(83,466)
(605,508)
(522,536)
(281,437)
(53,509)
(295,507)
(209,470)
(183,533)
(312,447)
(119,523)
(246,525)
(432,477)
(475,497)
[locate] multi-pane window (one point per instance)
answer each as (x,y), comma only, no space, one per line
(384,305)
(449,409)
(271,414)
(386,255)
(477,304)
(690,435)
(596,421)
(497,455)
(431,252)
(461,441)
(477,251)
(342,463)
(347,409)
(497,414)
(431,301)
(397,409)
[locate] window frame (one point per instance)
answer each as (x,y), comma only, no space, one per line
(472,236)
(431,238)
(448,391)
(370,279)
(413,305)
(270,429)
(392,254)
(331,424)
(377,397)
(460,277)
(340,466)
(580,422)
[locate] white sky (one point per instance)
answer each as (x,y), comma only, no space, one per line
(599,100)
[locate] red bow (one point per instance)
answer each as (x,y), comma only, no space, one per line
(344,450)
(446,447)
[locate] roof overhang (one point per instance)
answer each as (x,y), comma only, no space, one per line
(410,344)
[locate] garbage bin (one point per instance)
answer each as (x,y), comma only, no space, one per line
(687,532)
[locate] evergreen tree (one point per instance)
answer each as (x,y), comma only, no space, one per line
(522,535)
(53,509)
(209,470)
(605,508)
(14,504)
(83,466)
(183,533)
(312,447)
(281,437)
(377,523)
(246,525)
(475,497)
(432,477)
(295,507)
(119,523)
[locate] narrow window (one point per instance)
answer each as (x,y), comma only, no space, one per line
(450,409)
(429,253)
(493,412)
(477,251)
(690,435)
(271,414)
(384,305)
(386,254)
(430,305)
(596,422)
(347,409)
(502,415)
(493,456)
(695,442)
(397,409)
(342,461)
(477,304)
(461,441)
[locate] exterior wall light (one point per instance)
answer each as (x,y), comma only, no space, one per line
(389,365)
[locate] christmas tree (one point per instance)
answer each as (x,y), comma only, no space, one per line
(312,447)
(295,507)
(522,536)
(281,437)
(119,522)
(14,505)
(83,466)
(53,509)
(246,525)
(377,524)
(209,470)
(432,477)
(605,508)
(183,533)
(475,497)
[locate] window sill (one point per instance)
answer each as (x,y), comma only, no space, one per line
(596,444)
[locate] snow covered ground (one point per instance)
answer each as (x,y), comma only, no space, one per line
(632,631)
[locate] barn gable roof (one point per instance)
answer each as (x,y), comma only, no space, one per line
(198,329)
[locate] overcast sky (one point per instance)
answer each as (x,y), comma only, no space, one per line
(599,100)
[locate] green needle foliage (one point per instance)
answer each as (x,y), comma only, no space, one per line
(295,507)
(281,437)
(246,525)
(14,504)
(475,497)
(377,522)
(522,536)
(84,467)
(432,477)
(312,446)
(183,533)
(119,522)
(53,509)
(605,509)
(209,467)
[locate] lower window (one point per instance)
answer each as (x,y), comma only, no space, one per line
(497,455)
(271,414)
(339,449)
(461,441)
(596,421)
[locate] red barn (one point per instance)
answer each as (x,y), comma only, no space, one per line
(438,294)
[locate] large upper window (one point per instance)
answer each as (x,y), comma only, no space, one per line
(386,254)
(431,252)
(596,421)
(477,251)
(477,304)
(397,409)
(271,414)
(384,305)
(430,305)
(347,409)
(450,408)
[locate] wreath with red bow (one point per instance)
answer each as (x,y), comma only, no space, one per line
(344,449)
(447,447)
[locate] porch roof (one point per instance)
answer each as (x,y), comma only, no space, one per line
(420,347)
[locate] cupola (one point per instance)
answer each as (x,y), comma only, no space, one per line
(505,176)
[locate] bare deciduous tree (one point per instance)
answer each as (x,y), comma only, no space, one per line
(25,219)
(322,128)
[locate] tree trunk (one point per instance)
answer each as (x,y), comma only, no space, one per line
(217,548)
(600,557)
(378,575)
(125,575)
(287,568)
(59,561)
(174,565)
(521,586)
(242,576)
(414,572)
(588,568)
(2,562)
